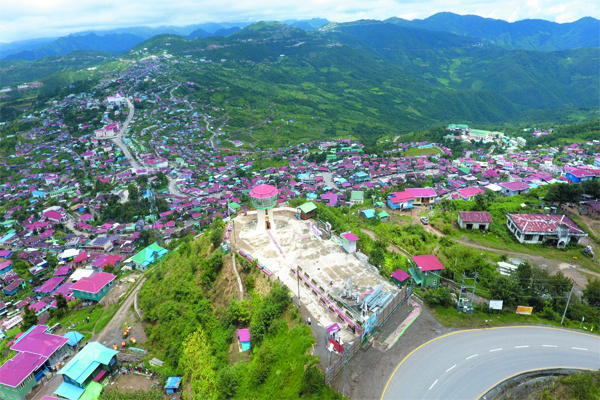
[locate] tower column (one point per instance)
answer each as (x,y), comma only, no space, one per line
(260,225)
(271,218)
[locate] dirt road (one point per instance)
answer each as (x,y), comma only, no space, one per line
(113,332)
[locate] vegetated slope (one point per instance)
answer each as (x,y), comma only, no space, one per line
(116,43)
(197,338)
(539,80)
(528,34)
(19,71)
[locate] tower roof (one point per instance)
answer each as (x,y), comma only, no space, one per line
(264,191)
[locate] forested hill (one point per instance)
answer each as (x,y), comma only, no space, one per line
(528,34)
(189,302)
(116,43)
(379,73)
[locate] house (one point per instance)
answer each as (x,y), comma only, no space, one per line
(307,210)
(349,241)
(38,341)
(36,351)
(93,288)
(514,188)
(555,229)
(244,335)
(146,256)
(14,287)
(467,193)
(589,208)
(400,200)
(400,278)
(578,175)
(234,207)
(91,365)
(173,384)
(383,216)
(422,195)
(356,197)
(5,267)
(74,339)
(50,286)
(474,219)
(426,272)
(19,375)
(368,214)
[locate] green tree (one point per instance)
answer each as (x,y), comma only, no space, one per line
(481,202)
(505,288)
(134,192)
(61,304)
(29,319)
(591,293)
(216,236)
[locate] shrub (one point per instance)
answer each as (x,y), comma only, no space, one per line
(250,282)
(438,297)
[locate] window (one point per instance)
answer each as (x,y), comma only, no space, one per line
(528,237)
(434,283)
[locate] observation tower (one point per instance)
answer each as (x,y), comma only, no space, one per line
(264,198)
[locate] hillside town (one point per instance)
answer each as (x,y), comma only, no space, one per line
(103,184)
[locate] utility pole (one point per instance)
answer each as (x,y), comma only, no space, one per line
(567,306)
(298,279)
(345,359)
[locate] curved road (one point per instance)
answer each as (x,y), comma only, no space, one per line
(466,364)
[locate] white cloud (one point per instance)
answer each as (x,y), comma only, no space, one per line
(26,19)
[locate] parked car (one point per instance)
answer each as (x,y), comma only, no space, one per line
(424,220)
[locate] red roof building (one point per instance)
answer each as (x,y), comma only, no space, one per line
(556,229)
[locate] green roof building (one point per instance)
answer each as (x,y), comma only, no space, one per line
(92,364)
(147,256)
(307,210)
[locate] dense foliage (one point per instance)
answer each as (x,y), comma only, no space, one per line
(194,337)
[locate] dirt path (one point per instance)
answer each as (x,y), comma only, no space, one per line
(392,248)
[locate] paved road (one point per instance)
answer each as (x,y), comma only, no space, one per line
(119,139)
(465,364)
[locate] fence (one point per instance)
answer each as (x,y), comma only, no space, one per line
(351,349)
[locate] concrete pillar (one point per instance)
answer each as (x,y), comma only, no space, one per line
(260,226)
(271,219)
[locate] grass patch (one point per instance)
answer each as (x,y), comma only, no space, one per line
(109,313)
(417,152)
(77,319)
(448,316)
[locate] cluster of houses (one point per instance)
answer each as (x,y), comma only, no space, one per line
(40,355)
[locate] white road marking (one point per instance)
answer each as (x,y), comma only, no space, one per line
(578,348)
(451,368)
(433,384)
(520,347)
(548,345)
(495,350)
(474,355)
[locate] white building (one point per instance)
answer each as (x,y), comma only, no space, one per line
(556,229)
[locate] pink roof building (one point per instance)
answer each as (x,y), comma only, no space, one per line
(38,341)
(50,285)
(19,368)
(94,287)
(428,262)
(467,193)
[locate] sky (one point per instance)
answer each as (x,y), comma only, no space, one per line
(28,19)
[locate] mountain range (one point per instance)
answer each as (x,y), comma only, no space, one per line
(122,39)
